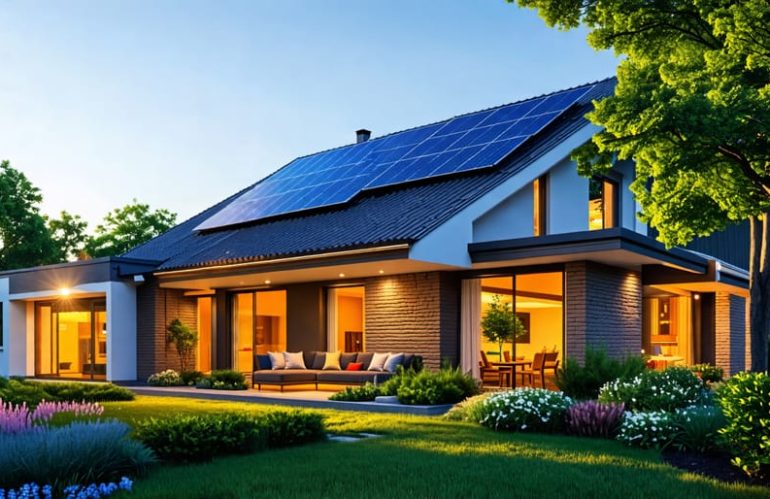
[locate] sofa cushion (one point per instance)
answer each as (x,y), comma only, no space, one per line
(378,361)
(354,366)
(332,361)
(407,362)
(284,375)
(364,358)
(346,358)
(318,361)
(294,360)
(393,362)
(262,362)
(309,357)
(353,377)
(276,360)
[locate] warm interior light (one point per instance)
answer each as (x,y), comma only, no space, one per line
(696,296)
(382,271)
(267,281)
(65,292)
(342,275)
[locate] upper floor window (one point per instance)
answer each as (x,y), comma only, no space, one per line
(539,208)
(1,325)
(602,204)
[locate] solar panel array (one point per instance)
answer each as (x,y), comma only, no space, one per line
(460,144)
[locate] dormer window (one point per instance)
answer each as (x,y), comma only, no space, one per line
(602,203)
(539,208)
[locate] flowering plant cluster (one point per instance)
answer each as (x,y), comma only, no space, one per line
(93,491)
(648,429)
(525,409)
(18,418)
(594,419)
(667,390)
(169,377)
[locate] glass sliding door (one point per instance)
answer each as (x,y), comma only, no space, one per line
(259,326)
(203,358)
(345,319)
(71,339)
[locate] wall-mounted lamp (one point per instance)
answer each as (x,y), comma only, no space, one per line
(696,296)
(65,292)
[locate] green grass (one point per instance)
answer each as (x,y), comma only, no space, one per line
(419,457)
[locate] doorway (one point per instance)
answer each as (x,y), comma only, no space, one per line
(71,339)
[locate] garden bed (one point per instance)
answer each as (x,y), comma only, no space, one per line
(717,466)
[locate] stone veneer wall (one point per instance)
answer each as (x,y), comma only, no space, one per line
(730,332)
(157,307)
(416,313)
(603,309)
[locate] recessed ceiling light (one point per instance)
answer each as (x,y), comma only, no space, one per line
(65,292)
(267,281)
(382,271)
(342,275)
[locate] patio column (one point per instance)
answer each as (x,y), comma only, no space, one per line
(470,326)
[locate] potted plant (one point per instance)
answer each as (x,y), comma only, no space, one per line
(185,339)
(500,324)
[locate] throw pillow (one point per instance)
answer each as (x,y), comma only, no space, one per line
(309,358)
(355,366)
(263,362)
(346,358)
(319,361)
(408,358)
(276,360)
(393,362)
(364,358)
(332,361)
(294,360)
(378,361)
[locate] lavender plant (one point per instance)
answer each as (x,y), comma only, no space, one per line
(594,419)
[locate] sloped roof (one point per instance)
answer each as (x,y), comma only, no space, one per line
(397,214)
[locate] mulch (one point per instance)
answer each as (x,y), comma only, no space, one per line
(716,466)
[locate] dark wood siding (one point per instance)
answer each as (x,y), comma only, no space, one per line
(730,245)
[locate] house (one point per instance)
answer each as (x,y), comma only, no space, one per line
(398,243)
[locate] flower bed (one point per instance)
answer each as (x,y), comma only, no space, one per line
(525,409)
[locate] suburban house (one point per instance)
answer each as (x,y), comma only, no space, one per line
(398,243)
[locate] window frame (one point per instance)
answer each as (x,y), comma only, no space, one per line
(609,220)
(540,206)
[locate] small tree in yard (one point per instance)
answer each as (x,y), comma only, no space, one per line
(500,324)
(692,109)
(184,339)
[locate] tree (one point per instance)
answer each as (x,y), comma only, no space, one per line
(500,324)
(184,340)
(69,235)
(24,238)
(692,109)
(127,227)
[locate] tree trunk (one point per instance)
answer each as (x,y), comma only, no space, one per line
(759,278)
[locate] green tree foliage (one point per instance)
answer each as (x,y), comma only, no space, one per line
(127,227)
(69,233)
(184,339)
(24,238)
(692,109)
(500,324)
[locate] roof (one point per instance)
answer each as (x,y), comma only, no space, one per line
(396,214)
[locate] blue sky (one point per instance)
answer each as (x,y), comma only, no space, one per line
(182,103)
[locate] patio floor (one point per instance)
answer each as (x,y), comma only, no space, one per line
(297,398)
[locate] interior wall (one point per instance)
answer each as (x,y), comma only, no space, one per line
(350,317)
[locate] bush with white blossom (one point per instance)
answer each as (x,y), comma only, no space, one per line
(668,390)
(525,409)
(648,429)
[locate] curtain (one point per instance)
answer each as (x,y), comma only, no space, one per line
(470,326)
(331,321)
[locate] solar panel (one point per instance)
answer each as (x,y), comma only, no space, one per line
(464,143)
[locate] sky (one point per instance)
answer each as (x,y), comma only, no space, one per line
(180,104)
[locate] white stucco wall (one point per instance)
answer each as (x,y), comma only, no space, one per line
(510,219)
(567,199)
(121,331)
(4,327)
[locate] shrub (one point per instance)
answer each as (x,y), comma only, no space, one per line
(184,339)
(594,419)
(468,410)
(224,380)
(445,386)
(674,388)
(32,392)
(197,438)
(699,428)
(525,409)
(285,428)
(584,381)
(745,402)
(364,393)
(169,377)
(81,452)
(648,429)
(708,373)
(191,378)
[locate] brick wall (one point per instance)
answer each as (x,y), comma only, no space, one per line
(604,309)
(157,307)
(414,313)
(730,332)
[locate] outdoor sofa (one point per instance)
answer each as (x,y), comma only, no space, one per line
(314,374)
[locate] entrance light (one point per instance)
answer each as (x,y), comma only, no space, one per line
(65,292)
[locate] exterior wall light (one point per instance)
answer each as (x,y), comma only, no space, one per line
(696,296)
(65,292)
(342,275)
(381,271)
(267,281)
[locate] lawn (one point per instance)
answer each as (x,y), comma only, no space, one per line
(419,457)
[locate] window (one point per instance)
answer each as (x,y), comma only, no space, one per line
(203,359)
(345,319)
(667,329)
(1,325)
(539,208)
(602,203)
(259,326)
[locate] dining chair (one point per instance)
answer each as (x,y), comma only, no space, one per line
(507,355)
(537,369)
(486,368)
(551,362)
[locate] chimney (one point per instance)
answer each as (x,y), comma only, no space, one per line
(362,135)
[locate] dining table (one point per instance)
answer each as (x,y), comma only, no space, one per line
(508,370)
